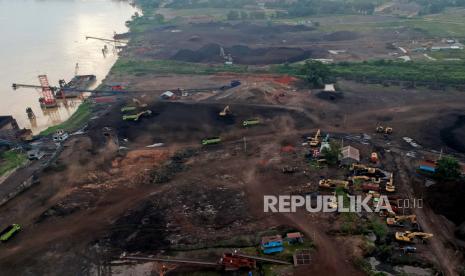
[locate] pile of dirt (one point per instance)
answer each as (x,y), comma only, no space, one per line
(241,54)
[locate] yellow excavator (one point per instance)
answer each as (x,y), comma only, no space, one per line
(408,236)
(355,167)
(225,112)
(331,183)
(390,185)
(365,178)
(315,141)
(397,220)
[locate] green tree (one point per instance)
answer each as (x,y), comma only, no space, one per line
(332,154)
(233,15)
(448,168)
(244,15)
(316,73)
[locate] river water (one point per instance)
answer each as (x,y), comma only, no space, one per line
(49,37)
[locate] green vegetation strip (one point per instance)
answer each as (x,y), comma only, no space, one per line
(441,72)
(140,68)
(77,120)
(452,72)
(10,160)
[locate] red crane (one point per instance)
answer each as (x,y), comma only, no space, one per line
(48,99)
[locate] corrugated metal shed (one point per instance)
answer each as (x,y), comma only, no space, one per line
(350,155)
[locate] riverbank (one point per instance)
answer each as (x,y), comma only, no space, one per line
(75,122)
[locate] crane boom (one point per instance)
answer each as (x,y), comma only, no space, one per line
(182,261)
(105,39)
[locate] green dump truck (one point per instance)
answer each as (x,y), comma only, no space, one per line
(136,117)
(250,122)
(9,232)
(128,109)
(211,141)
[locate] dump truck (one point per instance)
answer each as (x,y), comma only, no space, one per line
(332,183)
(9,232)
(211,141)
(125,109)
(411,237)
(250,122)
(398,220)
(136,117)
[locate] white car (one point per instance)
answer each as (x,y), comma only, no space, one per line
(60,136)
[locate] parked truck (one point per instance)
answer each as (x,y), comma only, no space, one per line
(9,232)
(211,141)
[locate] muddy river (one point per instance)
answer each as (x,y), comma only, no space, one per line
(49,37)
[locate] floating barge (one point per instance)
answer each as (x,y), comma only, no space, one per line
(78,82)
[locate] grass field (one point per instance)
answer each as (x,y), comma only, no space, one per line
(127,66)
(76,121)
(10,160)
(451,54)
(449,72)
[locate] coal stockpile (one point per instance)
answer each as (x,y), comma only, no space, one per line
(271,29)
(142,229)
(173,122)
(243,54)
(452,208)
(341,35)
(453,135)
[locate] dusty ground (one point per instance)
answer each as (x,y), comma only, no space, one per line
(100,200)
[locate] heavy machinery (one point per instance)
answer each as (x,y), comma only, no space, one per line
(375,180)
(250,122)
(359,177)
(125,109)
(9,232)
(211,141)
(374,157)
(409,249)
(332,183)
(362,168)
(397,220)
(289,169)
(411,237)
(385,130)
(316,140)
(225,112)
(232,262)
(370,187)
(136,117)
(390,184)
(139,103)
(60,136)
